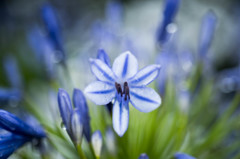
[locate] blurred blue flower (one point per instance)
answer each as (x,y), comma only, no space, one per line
(72,116)
(12,72)
(97,142)
(9,96)
(114,12)
(183,156)
(206,34)
(13,124)
(170,11)
(169,67)
(123,83)
(143,156)
(43,50)
(14,133)
(10,142)
(54,32)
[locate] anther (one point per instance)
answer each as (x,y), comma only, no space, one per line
(118,88)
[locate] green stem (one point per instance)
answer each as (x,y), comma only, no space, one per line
(91,148)
(80,152)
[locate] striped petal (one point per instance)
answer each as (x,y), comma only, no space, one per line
(120,117)
(145,75)
(125,65)
(102,71)
(100,93)
(103,56)
(144,99)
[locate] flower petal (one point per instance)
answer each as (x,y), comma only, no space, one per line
(102,71)
(120,117)
(145,75)
(125,65)
(103,56)
(100,93)
(144,99)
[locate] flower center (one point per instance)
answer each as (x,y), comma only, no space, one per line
(125,91)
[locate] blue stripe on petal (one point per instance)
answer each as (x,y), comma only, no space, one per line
(101,93)
(144,99)
(120,117)
(145,75)
(103,56)
(102,71)
(125,67)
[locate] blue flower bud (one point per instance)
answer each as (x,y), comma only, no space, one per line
(65,107)
(183,156)
(143,156)
(76,127)
(103,56)
(80,103)
(15,125)
(12,72)
(207,31)
(97,142)
(54,33)
(170,11)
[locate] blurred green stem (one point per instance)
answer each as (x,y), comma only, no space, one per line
(80,152)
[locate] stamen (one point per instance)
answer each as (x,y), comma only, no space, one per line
(118,88)
(125,90)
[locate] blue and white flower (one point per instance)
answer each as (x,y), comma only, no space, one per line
(123,84)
